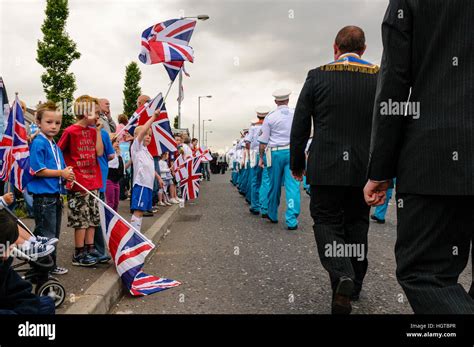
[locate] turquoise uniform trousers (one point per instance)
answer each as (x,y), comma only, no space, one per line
(279,172)
(264,188)
(256,184)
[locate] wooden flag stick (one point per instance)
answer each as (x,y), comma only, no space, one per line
(111,210)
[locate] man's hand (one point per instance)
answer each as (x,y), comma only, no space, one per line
(8,198)
(375,192)
(298,174)
(68,174)
(99,125)
(260,163)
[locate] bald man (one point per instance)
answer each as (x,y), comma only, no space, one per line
(338,99)
(142,99)
(105,117)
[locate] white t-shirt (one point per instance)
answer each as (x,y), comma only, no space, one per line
(188,152)
(143,165)
(165,170)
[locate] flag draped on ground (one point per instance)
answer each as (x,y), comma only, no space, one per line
(128,249)
(14,150)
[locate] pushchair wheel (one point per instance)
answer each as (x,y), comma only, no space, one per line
(54,289)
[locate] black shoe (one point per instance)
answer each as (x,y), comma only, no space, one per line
(341,302)
(256,213)
(148,214)
(293,228)
(379,221)
(271,220)
(84,259)
(355,296)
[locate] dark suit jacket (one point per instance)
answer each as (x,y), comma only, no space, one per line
(340,103)
(428,47)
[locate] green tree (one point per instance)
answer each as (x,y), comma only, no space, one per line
(56,53)
(176,122)
(131,90)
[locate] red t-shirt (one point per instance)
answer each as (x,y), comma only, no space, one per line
(78,146)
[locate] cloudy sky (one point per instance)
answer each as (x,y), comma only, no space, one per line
(246,50)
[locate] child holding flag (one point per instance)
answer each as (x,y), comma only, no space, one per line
(143,172)
(82,144)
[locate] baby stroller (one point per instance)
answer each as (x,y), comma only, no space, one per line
(36,271)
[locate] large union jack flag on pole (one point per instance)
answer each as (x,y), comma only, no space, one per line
(14,150)
(128,249)
(167,41)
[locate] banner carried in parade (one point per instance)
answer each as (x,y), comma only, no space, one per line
(14,150)
(128,249)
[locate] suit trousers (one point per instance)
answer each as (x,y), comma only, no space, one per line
(341,224)
(432,249)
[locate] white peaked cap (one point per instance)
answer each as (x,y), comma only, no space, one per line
(262,110)
(281,94)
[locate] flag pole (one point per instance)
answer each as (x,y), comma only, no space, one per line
(9,185)
(159,110)
(111,210)
(18,220)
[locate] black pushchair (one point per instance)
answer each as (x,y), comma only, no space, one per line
(36,271)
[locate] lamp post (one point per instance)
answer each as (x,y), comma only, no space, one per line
(203,122)
(202,17)
(207,132)
(199,113)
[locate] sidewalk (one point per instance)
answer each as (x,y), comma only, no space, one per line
(80,281)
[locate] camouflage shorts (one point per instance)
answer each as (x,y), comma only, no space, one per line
(83,211)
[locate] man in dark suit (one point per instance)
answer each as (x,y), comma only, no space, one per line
(428,52)
(339,98)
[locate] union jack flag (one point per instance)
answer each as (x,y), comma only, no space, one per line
(190,184)
(203,154)
(179,167)
(129,248)
(167,42)
(162,139)
(173,68)
(14,151)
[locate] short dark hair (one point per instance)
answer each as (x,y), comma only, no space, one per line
(350,39)
(9,233)
(194,139)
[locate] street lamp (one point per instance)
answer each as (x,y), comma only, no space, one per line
(207,132)
(199,112)
(203,122)
(202,17)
